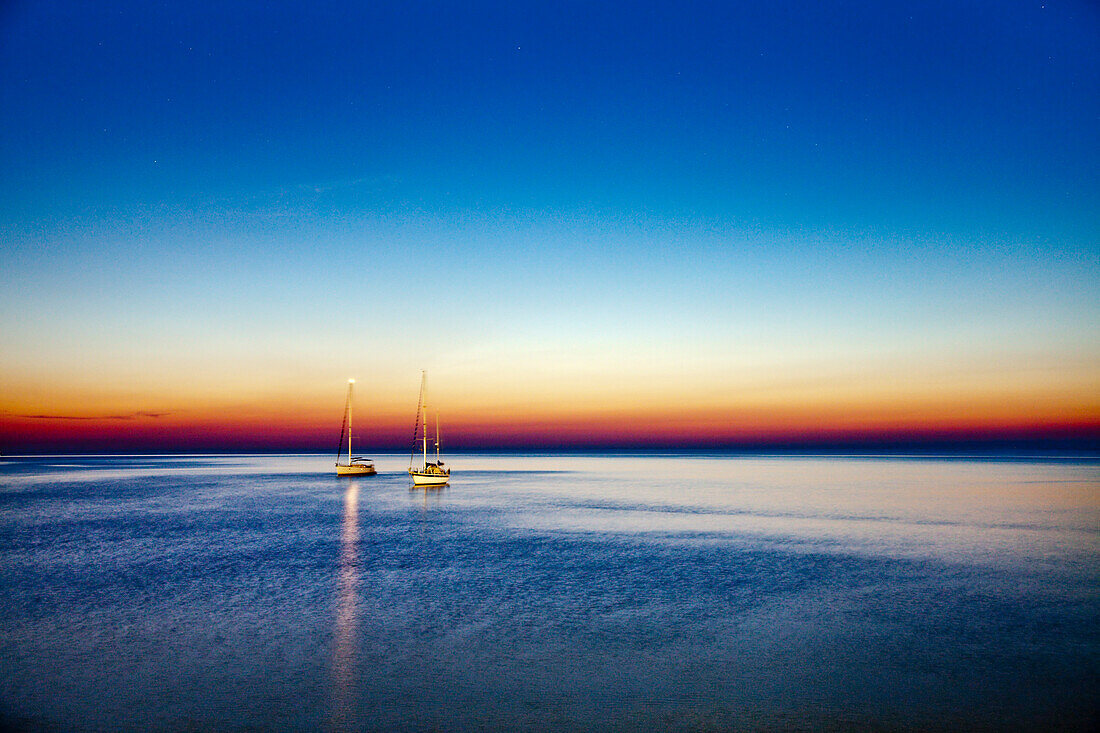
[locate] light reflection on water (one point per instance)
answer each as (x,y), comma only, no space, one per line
(539,592)
(345,646)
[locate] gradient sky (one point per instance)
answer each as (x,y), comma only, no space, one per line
(651,224)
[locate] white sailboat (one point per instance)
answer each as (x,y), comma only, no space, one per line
(357,465)
(428,474)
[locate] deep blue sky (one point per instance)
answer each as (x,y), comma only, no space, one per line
(956,116)
(695,195)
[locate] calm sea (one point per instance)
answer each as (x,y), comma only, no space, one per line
(591,592)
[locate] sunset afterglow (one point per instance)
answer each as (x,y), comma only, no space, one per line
(691,227)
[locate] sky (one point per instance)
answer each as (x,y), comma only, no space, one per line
(646,224)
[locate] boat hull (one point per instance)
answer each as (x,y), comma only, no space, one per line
(429,479)
(355,470)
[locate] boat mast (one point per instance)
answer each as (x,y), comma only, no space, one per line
(350,382)
(416,423)
(344,426)
(424,407)
(437,437)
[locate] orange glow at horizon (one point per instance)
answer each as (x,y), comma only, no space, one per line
(605,411)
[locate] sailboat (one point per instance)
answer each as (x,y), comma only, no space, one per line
(357,465)
(429,474)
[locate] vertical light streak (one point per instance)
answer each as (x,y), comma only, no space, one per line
(345,653)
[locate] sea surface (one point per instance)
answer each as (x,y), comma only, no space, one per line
(565,592)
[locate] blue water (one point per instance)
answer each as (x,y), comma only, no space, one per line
(563,592)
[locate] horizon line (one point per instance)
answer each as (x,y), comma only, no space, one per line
(913,451)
